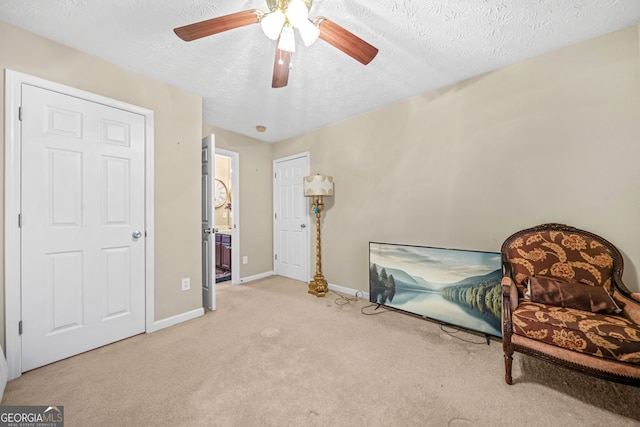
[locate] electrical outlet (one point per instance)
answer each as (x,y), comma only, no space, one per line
(245,260)
(186,284)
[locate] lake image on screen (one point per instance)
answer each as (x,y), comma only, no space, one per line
(453,286)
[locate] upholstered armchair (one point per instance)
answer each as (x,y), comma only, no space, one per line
(563,301)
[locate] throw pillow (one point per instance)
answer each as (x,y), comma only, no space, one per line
(555,291)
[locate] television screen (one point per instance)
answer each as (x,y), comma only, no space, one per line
(453,286)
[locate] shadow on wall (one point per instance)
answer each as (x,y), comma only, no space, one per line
(4,373)
(629,273)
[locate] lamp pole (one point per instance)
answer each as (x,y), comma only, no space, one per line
(318,286)
(317,186)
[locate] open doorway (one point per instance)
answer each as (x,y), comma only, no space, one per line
(220,219)
(222,202)
(226,207)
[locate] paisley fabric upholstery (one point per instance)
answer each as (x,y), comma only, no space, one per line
(564,255)
(609,336)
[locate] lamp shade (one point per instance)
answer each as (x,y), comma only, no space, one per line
(272,24)
(318,185)
(308,32)
(287,39)
(297,12)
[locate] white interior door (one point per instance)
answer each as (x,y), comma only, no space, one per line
(83,219)
(208,223)
(291,218)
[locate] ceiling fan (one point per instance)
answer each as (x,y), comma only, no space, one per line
(278,24)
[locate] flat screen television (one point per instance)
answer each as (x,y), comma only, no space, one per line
(453,286)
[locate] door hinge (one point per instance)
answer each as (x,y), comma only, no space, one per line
(275,175)
(19,220)
(20,113)
(276,257)
(20,327)
(276,215)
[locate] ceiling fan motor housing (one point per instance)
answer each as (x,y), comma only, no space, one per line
(282,4)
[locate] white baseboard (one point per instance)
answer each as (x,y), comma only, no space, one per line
(342,289)
(178,318)
(256,277)
(349,291)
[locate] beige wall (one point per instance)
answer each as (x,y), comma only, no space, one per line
(256,200)
(177,130)
(552,139)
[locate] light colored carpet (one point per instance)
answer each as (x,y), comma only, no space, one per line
(272,355)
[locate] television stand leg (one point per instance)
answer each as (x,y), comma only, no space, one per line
(377,307)
(488,338)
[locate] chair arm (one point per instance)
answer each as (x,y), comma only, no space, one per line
(618,285)
(509,292)
(630,306)
(509,303)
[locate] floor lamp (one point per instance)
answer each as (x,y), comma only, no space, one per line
(317,187)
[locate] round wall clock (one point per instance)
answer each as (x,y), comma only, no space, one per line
(221,194)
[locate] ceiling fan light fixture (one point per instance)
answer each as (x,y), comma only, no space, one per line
(279,24)
(287,39)
(272,24)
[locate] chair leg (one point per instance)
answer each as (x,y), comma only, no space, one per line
(508,359)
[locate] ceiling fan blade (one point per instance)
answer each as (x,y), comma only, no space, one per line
(217,25)
(345,40)
(281,68)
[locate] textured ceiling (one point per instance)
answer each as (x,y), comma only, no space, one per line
(423,45)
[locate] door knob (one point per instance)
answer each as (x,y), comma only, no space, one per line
(210,230)
(303,225)
(136,234)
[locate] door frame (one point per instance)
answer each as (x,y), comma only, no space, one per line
(12,202)
(235,208)
(306,155)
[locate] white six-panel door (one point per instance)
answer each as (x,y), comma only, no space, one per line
(83,252)
(291,217)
